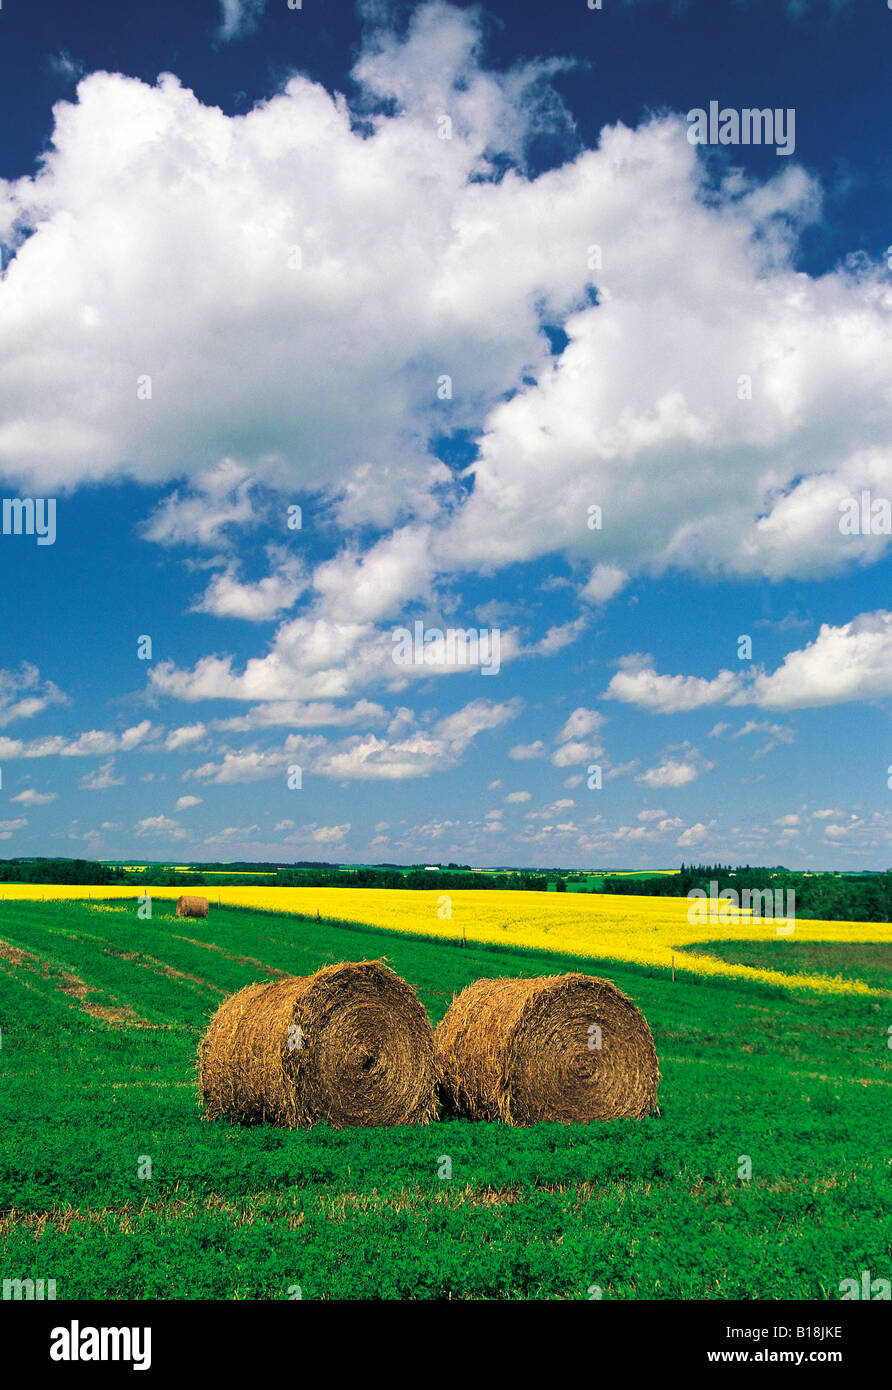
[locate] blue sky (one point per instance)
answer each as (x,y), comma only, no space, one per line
(448,279)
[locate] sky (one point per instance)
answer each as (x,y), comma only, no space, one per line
(444,443)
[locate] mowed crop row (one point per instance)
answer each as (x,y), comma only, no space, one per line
(646,931)
(113,1184)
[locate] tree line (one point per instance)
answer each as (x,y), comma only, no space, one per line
(825,897)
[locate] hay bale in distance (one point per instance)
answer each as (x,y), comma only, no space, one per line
(560,1047)
(191,907)
(350,1045)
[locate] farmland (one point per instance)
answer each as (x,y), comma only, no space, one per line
(646,931)
(773,1052)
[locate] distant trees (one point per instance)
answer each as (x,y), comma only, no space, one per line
(368,877)
(74,871)
(828,897)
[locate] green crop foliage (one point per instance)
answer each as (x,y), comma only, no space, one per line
(798,1083)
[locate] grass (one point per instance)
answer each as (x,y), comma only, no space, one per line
(869,962)
(798,1082)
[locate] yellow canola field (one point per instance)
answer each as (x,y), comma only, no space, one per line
(646,930)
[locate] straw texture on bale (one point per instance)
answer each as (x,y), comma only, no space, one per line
(350,1045)
(562,1047)
(191,907)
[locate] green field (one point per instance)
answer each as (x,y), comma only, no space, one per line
(801,1083)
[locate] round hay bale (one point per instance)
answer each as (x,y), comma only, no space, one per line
(351,1045)
(558,1047)
(191,907)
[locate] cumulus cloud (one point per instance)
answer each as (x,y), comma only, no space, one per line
(317,657)
(95,742)
(123,269)
(23,694)
(850,662)
(185,803)
(101,779)
(674,771)
(580,724)
(637,684)
(604,581)
(576,751)
(220,498)
(330,834)
(694,835)
(296,714)
(128,275)
(463,726)
(30,797)
(185,737)
(525,752)
(257,601)
(845,663)
(367,588)
(160,827)
(559,636)
(413,751)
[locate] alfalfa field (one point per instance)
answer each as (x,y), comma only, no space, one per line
(766,1173)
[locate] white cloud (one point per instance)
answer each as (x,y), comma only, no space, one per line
(23,694)
(322,365)
(414,752)
(221,497)
(9,827)
(93,743)
(580,724)
(185,803)
(330,834)
(133,737)
(851,662)
(128,271)
(296,714)
(101,778)
(518,797)
(673,772)
(30,797)
(232,832)
(524,752)
(463,726)
(835,831)
(185,737)
(780,733)
(557,638)
(574,752)
(259,601)
(604,581)
(160,827)
(357,588)
(694,835)
(845,663)
(640,685)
